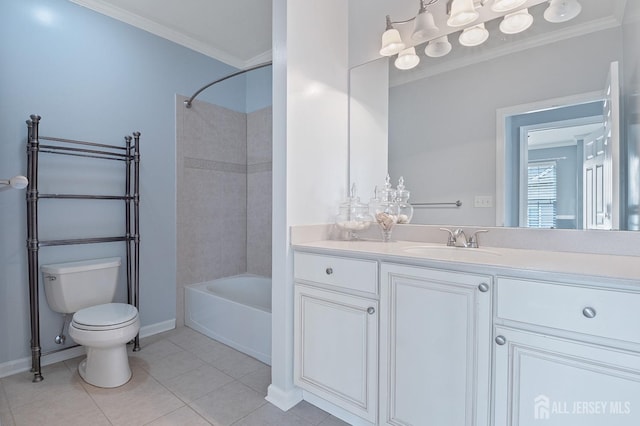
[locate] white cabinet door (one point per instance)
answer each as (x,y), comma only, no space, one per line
(435,343)
(336,348)
(543,380)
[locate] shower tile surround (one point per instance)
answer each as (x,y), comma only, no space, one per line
(180,377)
(223,194)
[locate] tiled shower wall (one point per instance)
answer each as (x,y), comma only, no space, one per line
(259,197)
(223,194)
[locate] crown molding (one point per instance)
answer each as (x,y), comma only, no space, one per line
(167,33)
(550,37)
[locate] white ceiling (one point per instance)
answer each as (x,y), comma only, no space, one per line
(236,32)
(558,136)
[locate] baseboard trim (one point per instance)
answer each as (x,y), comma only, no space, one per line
(284,400)
(335,411)
(24,364)
(159,327)
(16,366)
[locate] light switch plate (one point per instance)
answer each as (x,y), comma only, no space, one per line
(483,201)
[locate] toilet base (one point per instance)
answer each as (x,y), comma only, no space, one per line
(106,367)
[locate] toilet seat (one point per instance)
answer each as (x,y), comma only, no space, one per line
(109,316)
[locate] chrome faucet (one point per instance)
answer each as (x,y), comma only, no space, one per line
(460,238)
(457,238)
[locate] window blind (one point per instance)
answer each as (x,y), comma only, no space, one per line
(542,195)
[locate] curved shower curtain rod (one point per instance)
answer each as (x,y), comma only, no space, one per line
(188,102)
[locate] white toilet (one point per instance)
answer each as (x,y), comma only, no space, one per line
(104,328)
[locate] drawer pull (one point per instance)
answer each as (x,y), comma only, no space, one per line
(501,340)
(483,287)
(371,310)
(329,271)
(589,312)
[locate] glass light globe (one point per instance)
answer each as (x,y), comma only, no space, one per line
(562,10)
(463,12)
(391,42)
(438,47)
(514,23)
(506,5)
(424,27)
(474,36)
(407,59)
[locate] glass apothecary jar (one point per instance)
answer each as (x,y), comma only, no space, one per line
(353,216)
(405,210)
(387,209)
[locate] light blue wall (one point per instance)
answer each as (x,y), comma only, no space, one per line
(93,78)
(258,89)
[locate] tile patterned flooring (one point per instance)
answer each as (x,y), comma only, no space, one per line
(180,377)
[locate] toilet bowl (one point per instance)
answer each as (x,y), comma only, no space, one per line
(104,331)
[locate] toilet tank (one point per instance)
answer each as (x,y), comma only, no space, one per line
(72,286)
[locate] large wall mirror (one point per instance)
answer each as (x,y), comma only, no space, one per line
(491,125)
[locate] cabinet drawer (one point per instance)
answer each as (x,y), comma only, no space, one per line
(611,314)
(354,274)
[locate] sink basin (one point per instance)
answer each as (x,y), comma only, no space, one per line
(447,250)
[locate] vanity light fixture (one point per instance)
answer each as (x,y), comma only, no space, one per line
(463,12)
(391,41)
(506,5)
(562,10)
(516,22)
(474,36)
(407,59)
(464,15)
(424,27)
(438,47)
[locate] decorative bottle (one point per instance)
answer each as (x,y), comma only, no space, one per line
(387,209)
(353,215)
(405,210)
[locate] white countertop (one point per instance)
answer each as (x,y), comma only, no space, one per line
(599,265)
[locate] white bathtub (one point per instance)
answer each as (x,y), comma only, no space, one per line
(235,311)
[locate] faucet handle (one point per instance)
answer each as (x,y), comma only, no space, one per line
(473,240)
(451,240)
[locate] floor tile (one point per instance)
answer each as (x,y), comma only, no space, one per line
(180,377)
(138,402)
(333,421)
(228,404)
(188,339)
(72,407)
(236,364)
(6,418)
(258,380)
(196,383)
(213,351)
(184,416)
(309,412)
(156,350)
(270,415)
(173,365)
(20,390)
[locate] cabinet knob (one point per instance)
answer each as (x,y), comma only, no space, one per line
(589,312)
(501,340)
(483,287)
(329,271)
(371,310)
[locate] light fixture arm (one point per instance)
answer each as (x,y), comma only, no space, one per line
(421,9)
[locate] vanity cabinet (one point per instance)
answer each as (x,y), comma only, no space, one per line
(566,354)
(399,341)
(336,331)
(435,347)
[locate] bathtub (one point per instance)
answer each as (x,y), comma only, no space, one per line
(235,311)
